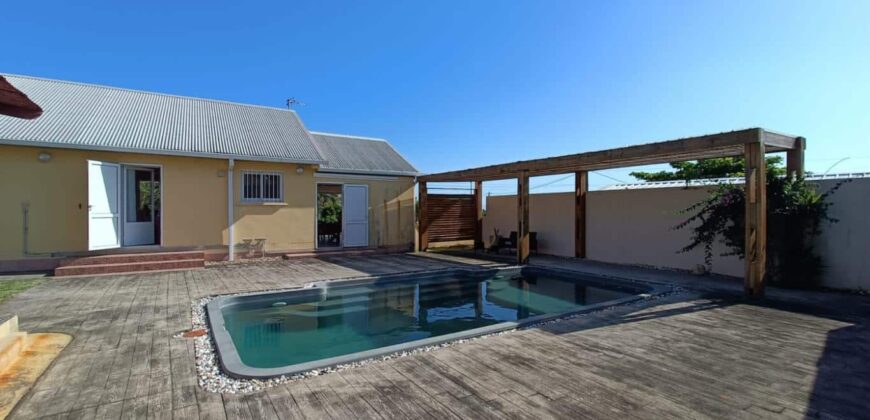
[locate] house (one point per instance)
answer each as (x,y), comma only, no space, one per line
(116,170)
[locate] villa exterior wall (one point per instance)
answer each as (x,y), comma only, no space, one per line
(391,207)
(194,199)
(634,227)
(194,204)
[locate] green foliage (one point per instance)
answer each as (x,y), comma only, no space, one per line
(796,213)
(9,288)
(708,168)
(330,208)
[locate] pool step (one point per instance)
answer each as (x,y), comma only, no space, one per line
(130,263)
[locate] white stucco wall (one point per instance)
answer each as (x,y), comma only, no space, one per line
(634,227)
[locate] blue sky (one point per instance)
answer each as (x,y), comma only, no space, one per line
(461,84)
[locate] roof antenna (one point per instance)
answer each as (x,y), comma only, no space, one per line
(292,102)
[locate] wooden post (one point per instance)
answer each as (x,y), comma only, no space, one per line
(478,204)
(581,190)
(424,218)
(794,159)
(523,218)
(401,239)
(755,256)
(386,242)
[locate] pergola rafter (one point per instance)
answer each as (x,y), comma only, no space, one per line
(752,144)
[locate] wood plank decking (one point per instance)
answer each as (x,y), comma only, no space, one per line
(706,353)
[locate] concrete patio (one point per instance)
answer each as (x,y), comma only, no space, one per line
(705,353)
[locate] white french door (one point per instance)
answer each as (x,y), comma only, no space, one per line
(104,205)
(355,215)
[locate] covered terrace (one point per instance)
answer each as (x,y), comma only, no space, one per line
(752,144)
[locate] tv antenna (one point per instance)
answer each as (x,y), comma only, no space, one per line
(293,102)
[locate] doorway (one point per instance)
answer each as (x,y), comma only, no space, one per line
(142,205)
(329,215)
(124,205)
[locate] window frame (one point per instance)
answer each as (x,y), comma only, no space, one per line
(262,187)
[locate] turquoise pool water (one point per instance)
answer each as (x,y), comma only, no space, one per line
(280,330)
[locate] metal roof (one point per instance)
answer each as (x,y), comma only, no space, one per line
(353,154)
(89,116)
(720,181)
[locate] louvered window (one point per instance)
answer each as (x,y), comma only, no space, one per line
(262,186)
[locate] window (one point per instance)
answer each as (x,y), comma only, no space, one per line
(262,186)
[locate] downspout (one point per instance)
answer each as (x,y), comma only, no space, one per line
(230,217)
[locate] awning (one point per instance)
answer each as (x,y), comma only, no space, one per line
(16,104)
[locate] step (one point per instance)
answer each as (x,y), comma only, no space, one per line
(130,267)
(132,258)
(11,347)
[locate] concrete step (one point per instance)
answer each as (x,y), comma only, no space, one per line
(132,258)
(128,267)
(11,347)
(12,342)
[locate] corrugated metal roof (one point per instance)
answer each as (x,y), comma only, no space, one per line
(352,154)
(88,116)
(720,181)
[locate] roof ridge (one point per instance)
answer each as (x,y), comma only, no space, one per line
(171,95)
(349,136)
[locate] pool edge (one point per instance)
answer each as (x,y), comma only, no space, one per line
(232,365)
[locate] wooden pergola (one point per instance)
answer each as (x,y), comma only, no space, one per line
(752,144)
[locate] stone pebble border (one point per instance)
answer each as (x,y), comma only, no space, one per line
(212,379)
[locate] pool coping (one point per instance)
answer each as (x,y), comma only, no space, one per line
(234,367)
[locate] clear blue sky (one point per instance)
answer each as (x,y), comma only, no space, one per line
(468,83)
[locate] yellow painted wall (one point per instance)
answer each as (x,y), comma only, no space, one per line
(391,209)
(194,202)
(287,226)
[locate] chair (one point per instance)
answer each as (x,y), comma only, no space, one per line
(510,243)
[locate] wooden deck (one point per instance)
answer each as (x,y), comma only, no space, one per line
(703,354)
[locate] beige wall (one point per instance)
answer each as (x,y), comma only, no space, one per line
(634,227)
(57,192)
(286,226)
(391,208)
(194,202)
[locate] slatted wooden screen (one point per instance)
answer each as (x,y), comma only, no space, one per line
(452,217)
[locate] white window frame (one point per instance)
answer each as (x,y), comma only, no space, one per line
(243,194)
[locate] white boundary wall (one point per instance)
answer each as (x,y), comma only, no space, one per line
(633,226)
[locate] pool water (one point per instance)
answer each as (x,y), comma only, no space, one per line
(279,330)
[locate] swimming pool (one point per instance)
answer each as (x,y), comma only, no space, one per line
(270,334)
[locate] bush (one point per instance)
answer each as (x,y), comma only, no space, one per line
(796,213)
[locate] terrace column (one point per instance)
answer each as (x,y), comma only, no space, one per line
(755,256)
(523,218)
(424,218)
(478,204)
(794,159)
(581,189)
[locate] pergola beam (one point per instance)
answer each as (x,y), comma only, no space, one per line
(701,147)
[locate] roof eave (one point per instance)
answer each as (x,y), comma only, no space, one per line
(368,172)
(205,155)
